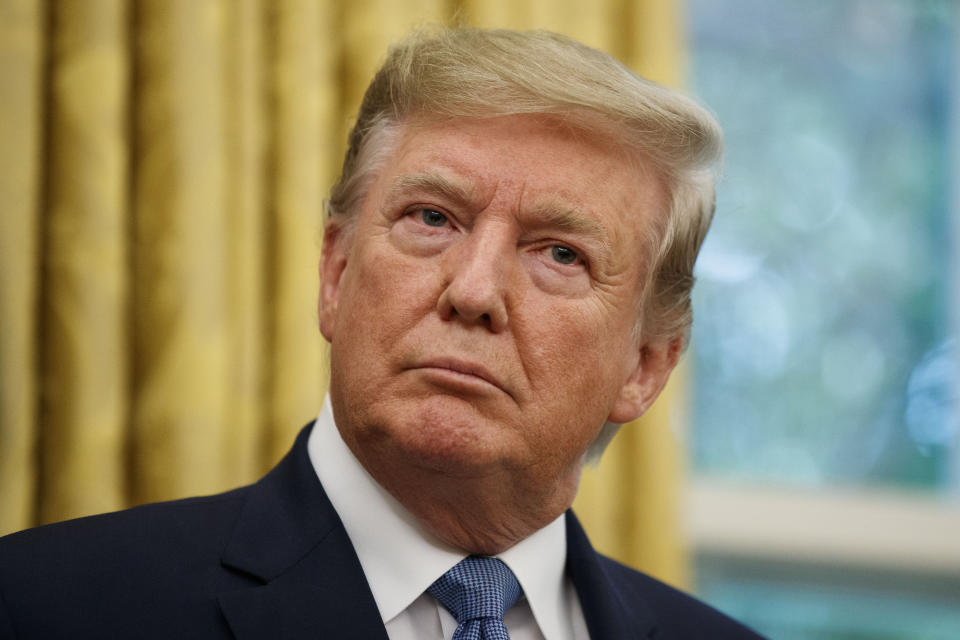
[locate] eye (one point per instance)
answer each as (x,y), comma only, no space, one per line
(564,255)
(432,218)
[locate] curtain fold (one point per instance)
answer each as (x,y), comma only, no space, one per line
(179,270)
(85,277)
(246,192)
(301,105)
(22,112)
(165,169)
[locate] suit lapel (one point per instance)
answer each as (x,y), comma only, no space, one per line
(609,615)
(289,537)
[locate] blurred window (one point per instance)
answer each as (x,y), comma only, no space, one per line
(824,348)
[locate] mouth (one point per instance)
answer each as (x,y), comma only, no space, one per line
(460,372)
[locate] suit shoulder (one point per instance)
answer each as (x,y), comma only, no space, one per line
(104,575)
(147,535)
(679,615)
(156,520)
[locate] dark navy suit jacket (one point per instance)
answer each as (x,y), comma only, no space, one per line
(271,560)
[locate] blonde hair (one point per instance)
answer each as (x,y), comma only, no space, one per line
(479,73)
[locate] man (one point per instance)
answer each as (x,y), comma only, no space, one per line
(506,272)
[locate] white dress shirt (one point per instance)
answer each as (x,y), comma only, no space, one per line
(400,559)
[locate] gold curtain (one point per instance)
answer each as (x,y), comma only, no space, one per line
(164,169)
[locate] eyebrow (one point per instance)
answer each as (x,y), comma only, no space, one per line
(433,183)
(560,216)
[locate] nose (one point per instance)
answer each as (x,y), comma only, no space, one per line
(476,288)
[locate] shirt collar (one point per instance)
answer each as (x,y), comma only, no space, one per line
(401,559)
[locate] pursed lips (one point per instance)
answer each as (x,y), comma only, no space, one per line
(462,367)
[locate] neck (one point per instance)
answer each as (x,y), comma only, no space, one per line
(485,514)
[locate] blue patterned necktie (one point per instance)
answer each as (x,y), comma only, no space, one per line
(477,591)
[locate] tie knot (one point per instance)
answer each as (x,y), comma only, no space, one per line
(477,587)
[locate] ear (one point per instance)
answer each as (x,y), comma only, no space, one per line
(333,262)
(655,362)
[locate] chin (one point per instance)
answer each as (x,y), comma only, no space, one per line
(446,434)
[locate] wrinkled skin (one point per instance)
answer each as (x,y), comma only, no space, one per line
(481,309)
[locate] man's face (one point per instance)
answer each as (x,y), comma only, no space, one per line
(482,309)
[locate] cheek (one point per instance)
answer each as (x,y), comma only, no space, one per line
(564,351)
(385,293)
(578,357)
